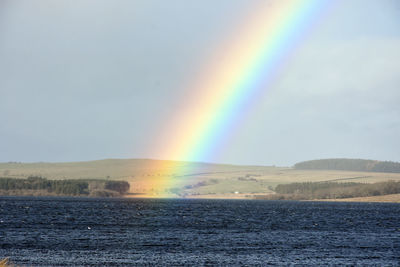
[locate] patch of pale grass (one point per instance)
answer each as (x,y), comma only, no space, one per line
(393,198)
(5,263)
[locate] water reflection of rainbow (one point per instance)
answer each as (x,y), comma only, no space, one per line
(236,78)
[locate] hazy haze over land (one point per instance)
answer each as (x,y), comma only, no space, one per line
(87,80)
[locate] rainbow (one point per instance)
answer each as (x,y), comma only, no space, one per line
(236,77)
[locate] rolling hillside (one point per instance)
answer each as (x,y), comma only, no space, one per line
(160,178)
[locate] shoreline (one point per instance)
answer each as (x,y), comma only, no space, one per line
(393,198)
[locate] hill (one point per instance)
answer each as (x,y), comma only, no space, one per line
(157,178)
(349,165)
(116,169)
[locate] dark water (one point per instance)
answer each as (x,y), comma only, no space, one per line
(126,232)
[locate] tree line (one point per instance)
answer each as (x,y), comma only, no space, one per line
(69,187)
(349,165)
(333,190)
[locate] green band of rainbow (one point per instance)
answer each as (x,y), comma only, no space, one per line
(237,77)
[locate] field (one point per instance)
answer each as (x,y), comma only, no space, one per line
(155,178)
(394,198)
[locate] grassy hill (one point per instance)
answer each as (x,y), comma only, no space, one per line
(194,179)
(113,169)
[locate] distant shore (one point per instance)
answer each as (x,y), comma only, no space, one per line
(393,198)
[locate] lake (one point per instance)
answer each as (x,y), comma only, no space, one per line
(54,231)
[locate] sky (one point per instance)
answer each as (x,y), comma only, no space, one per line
(95,79)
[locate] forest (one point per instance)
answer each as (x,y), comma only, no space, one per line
(332,190)
(36,185)
(349,165)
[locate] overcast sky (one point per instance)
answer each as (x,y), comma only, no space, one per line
(86,80)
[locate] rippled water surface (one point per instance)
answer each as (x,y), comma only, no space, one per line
(126,232)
